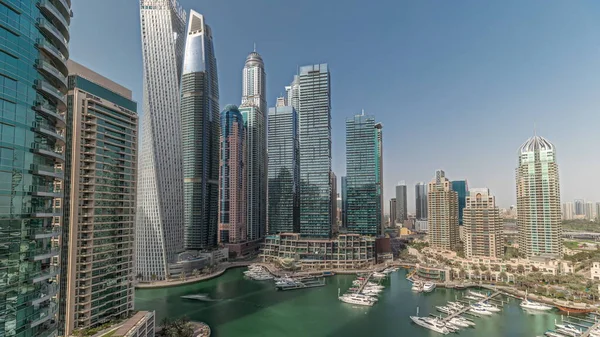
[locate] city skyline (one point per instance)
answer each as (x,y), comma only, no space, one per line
(472,115)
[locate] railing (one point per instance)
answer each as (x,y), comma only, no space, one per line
(44,24)
(48,6)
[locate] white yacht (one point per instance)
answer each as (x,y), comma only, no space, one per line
(459,322)
(489,307)
(417,286)
(477,294)
(527,304)
(445,310)
(428,287)
(479,310)
(375,285)
(469,297)
(456,305)
(357,299)
(431,324)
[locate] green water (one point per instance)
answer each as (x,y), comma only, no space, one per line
(254,308)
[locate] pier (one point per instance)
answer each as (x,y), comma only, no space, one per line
(362,286)
(467,307)
(590,329)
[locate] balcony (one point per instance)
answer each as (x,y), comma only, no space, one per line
(48,151)
(64,7)
(52,72)
(48,171)
(46,274)
(57,37)
(46,191)
(54,54)
(42,233)
(43,314)
(46,212)
(44,254)
(51,93)
(50,112)
(47,292)
(50,131)
(60,21)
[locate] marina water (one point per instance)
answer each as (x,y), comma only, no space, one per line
(239,307)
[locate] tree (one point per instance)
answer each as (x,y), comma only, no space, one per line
(508,268)
(153,277)
(503,276)
(462,273)
(495,267)
(139,276)
(180,327)
(477,273)
(520,269)
(488,275)
(483,267)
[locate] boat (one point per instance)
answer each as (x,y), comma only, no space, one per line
(527,304)
(551,333)
(200,297)
(479,310)
(431,324)
(357,299)
(489,307)
(428,287)
(568,332)
(445,310)
(379,275)
(417,286)
(457,305)
(461,322)
(469,297)
(460,287)
(375,285)
(575,310)
(477,294)
(569,327)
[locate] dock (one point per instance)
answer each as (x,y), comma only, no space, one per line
(467,307)
(362,286)
(590,329)
(304,284)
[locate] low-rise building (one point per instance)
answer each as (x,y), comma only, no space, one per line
(595,271)
(347,251)
(142,324)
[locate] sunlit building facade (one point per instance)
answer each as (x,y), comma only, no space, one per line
(483,226)
(442,210)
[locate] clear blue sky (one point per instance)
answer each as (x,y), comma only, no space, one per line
(458,85)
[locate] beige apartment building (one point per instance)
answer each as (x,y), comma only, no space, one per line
(100,199)
(442,210)
(482,225)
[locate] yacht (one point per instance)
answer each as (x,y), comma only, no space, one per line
(445,310)
(477,294)
(479,310)
(357,299)
(201,297)
(417,286)
(489,307)
(527,304)
(569,332)
(431,324)
(428,287)
(469,297)
(456,305)
(379,275)
(459,322)
(374,285)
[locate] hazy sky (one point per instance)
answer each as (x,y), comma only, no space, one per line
(458,85)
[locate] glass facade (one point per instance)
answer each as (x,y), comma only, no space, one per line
(462,189)
(344,201)
(34,38)
(401,203)
(200,120)
(314,135)
(99,204)
(283,170)
(363,175)
(421,201)
(232,177)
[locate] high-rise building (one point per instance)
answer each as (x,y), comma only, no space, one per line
(442,210)
(314,120)
(598,211)
(200,133)
(99,204)
(254,111)
(538,199)
(379,170)
(421,201)
(589,211)
(159,216)
(483,226)
(33,83)
(393,211)
(283,170)
(293,93)
(334,227)
(363,175)
(344,202)
(401,203)
(232,177)
(568,211)
(462,190)
(579,207)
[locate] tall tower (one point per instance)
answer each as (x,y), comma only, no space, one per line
(482,225)
(401,203)
(442,205)
(253,110)
(283,170)
(232,177)
(314,117)
(200,133)
(393,211)
(421,201)
(462,190)
(96,214)
(363,175)
(538,199)
(159,217)
(33,84)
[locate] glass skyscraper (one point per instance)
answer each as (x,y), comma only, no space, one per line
(538,199)
(232,177)
(99,203)
(344,202)
(401,203)
(283,170)
(314,134)
(200,120)
(159,217)
(421,201)
(363,175)
(33,82)
(462,189)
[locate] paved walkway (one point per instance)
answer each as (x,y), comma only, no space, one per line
(177,282)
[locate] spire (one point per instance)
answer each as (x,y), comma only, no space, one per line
(255,47)
(534,130)
(363,112)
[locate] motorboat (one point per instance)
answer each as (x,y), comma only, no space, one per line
(568,332)
(379,275)
(357,299)
(428,287)
(469,297)
(417,286)
(477,294)
(431,324)
(375,285)
(456,305)
(551,333)
(466,320)
(445,310)
(200,297)
(489,307)
(459,322)
(479,310)
(527,304)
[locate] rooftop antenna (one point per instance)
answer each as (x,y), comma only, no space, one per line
(255,47)
(363,112)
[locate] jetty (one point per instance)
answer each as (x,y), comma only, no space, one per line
(362,286)
(468,307)
(590,329)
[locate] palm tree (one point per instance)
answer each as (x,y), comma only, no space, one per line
(477,273)
(488,275)
(462,273)
(503,276)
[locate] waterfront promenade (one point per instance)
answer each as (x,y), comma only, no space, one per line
(193,279)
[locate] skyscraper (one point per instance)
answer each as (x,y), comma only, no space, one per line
(33,82)
(589,210)
(99,204)
(401,203)
(393,211)
(283,170)
(568,211)
(253,110)
(232,177)
(462,190)
(579,207)
(200,135)
(363,175)
(442,208)
(482,225)
(344,202)
(159,216)
(293,93)
(597,211)
(314,118)
(421,201)
(538,199)
(334,227)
